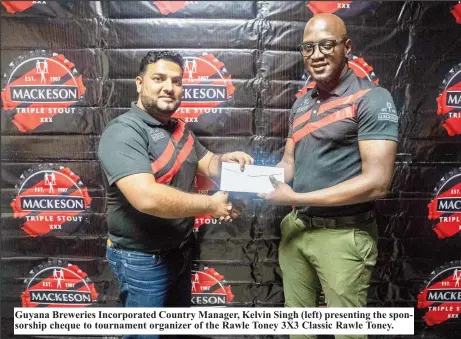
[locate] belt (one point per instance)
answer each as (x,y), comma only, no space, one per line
(156,251)
(337,222)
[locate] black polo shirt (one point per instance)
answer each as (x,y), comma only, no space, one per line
(326,129)
(135,142)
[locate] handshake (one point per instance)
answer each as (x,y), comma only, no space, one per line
(267,182)
(222,209)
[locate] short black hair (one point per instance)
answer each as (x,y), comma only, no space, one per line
(153,56)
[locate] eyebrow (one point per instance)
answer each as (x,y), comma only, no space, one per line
(165,75)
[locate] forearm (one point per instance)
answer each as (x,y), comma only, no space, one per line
(354,191)
(288,171)
(167,202)
(214,168)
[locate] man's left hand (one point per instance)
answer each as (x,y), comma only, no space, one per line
(241,157)
(282,194)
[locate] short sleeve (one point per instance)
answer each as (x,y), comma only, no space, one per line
(123,151)
(291,117)
(290,123)
(377,116)
(200,150)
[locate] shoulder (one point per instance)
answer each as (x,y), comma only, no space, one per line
(125,128)
(372,90)
(126,120)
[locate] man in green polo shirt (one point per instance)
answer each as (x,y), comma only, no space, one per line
(150,161)
(340,155)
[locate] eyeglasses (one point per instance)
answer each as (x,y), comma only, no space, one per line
(326,47)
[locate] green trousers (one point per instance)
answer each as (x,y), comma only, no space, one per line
(338,261)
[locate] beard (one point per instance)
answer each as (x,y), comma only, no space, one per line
(153,106)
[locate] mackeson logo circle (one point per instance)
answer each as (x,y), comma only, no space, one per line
(39,86)
(445,208)
(207,85)
(210,289)
(58,284)
(441,295)
(449,101)
(51,198)
(358,65)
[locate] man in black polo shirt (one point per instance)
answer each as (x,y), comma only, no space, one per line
(150,161)
(340,154)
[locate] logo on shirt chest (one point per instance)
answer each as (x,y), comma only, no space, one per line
(156,134)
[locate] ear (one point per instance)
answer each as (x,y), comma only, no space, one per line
(348,46)
(138,84)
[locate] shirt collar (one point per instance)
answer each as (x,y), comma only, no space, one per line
(150,120)
(344,82)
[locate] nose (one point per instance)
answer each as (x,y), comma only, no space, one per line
(168,85)
(317,54)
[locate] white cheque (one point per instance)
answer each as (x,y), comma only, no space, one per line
(255,179)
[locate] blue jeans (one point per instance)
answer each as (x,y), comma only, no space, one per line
(146,280)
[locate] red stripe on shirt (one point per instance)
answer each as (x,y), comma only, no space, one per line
(182,156)
(179,131)
(347,112)
(341,101)
(306,116)
(163,159)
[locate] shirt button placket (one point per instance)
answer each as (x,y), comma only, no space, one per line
(316,107)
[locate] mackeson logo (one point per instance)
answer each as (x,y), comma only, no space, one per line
(210,289)
(445,208)
(441,296)
(40,86)
(207,86)
(58,284)
(51,198)
(360,67)
(449,101)
(168,7)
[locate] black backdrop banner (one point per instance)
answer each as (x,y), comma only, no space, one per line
(243,73)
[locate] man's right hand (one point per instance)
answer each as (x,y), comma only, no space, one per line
(221,208)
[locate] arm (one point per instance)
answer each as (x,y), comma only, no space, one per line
(163,201)
(288,161)
(123,152)
(378,157)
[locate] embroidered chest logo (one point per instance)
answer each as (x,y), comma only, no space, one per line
(156,134)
